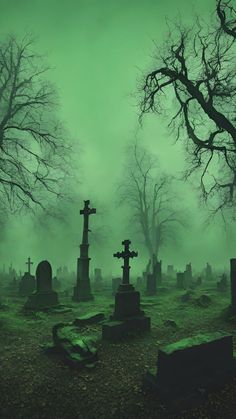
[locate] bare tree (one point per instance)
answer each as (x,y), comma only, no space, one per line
(148,194)
(196,67)
(32,144)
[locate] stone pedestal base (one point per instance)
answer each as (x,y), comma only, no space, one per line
(40,301)
(82,294)
(127,303)
(114,330)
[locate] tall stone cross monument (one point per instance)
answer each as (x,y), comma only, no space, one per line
(29,263)
(82,290)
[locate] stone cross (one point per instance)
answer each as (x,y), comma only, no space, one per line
(86,212)
(126,254)
(28,263)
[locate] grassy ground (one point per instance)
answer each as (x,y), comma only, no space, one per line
(34,384)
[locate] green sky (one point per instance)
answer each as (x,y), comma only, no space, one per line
(98,51)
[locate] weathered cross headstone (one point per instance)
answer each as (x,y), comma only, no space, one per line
(44,297)
(199,362)
(29,263)
(82,290)
(27,283)
(127,315)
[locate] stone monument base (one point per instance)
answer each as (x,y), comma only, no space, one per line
(116,329)
(127,303)
(41,301)
(82,295)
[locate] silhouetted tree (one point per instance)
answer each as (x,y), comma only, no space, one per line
(147,192)
(196,68)
(32,145)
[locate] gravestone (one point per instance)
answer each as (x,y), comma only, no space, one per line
(127,317)
(199,362)
(98,281)
(181,280)
(44,297)
(115,285)
(27,283)
(82,290)
(188,275)
(208,271)
(151,288)
(147,270)
(222,285)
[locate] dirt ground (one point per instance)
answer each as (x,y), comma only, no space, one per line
(35,384)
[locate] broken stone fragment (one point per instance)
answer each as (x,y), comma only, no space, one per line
(89,318)
(75,348)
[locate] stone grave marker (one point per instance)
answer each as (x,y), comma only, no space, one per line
(127,317)
(44,297)
(98,281)
(191,365)
(82,289)
(27,283)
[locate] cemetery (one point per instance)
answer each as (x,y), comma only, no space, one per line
(117,209)
(168,353)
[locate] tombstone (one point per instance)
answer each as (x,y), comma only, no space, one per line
(115,284)
(151,288)
(184,367)
(97,279)
(82,289)
(156,270)
(44,297)
(27,285)
(188,275)
(127,317)
(222,284)
(208,272)
(147,270)
(181,281)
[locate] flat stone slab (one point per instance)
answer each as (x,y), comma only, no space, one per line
(76,349)
(115,330)
(191,365)
(89,318)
